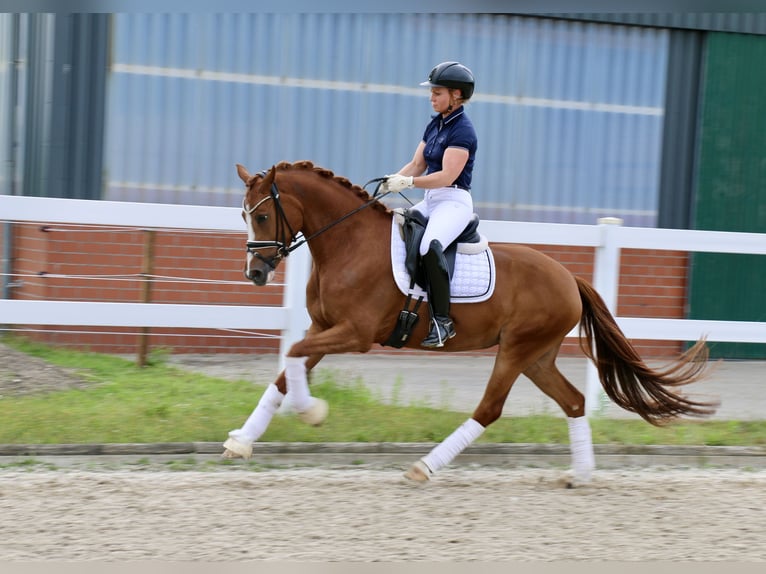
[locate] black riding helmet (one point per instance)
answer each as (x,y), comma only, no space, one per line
(452,75)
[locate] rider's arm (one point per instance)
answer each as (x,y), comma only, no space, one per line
(417,164)
(453,162)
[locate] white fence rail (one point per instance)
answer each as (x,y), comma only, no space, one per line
(608,238)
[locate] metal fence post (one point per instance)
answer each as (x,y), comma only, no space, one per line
(147,270)
(606,280)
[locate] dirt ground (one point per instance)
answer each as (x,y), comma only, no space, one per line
(21,374)
(372,514)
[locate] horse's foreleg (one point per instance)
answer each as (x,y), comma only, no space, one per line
(293,381)
(317,343)
(345,337)
(312,410)
(240,441)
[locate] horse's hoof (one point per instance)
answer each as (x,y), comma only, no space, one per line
(573,480)
(418,472)
(316,414)
(229,454)
(236,449)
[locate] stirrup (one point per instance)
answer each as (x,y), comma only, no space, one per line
(442,329)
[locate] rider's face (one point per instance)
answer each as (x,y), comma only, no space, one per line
(442,99)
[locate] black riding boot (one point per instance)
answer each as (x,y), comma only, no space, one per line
(438,288)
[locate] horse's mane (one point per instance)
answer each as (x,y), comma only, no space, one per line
(307,165)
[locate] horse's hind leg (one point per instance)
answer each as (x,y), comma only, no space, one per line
(504,374)
(550,381)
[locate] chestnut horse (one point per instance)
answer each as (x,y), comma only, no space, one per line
(354,302)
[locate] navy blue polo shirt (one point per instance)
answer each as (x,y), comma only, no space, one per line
(456,130)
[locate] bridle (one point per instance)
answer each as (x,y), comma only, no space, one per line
(281,243)
(284,245)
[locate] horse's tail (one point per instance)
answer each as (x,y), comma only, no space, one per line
(626,379)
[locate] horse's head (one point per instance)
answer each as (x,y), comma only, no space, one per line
(269,233)
(302,197)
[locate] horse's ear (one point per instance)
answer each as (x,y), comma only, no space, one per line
(243,173)
(269,179)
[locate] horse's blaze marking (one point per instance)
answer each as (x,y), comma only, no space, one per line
(250,237)
(248,211)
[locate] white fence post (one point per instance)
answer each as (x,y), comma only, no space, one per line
(298,268)
(606,280)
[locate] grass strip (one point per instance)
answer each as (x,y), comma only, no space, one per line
(124,403)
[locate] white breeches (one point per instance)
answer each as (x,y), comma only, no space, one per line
(449,210)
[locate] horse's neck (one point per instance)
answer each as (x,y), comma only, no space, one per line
(333,230)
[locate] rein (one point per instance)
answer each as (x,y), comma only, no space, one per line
(375,198)
(283,250)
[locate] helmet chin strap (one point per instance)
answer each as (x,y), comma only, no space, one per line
(451,105)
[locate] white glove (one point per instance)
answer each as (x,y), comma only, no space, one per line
(397,183)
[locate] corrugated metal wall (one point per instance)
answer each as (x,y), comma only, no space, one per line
(6,128)
(52,96)
(63,115)
(6,137)
(569,114)
(680,129)
(739,22)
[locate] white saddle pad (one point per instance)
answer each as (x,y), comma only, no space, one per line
(472,282)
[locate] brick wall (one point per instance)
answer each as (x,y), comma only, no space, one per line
(652,284)
(88,263)
(85,263)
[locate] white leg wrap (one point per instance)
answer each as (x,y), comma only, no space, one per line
(259,420)
(297,384)
(453,445)
(581,447)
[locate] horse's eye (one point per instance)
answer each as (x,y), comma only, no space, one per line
(261,218)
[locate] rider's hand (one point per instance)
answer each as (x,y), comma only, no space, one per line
(396,183)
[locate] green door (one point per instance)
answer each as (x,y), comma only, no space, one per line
(731,186)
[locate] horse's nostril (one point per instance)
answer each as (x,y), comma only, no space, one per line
(257,276)
(251,274)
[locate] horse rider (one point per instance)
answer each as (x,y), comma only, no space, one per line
(443,166)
